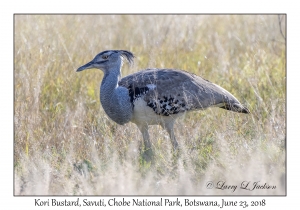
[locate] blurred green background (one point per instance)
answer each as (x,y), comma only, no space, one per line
(65,144)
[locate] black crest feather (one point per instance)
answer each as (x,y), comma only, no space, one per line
(128,56)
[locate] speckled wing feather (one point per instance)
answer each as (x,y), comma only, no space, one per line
(169,91)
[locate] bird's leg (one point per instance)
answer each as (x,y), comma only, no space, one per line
(170,130)
(176,152)
(146,149)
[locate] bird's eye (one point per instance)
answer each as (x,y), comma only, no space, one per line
(105,57)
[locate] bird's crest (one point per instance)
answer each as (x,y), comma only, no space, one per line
(127,55)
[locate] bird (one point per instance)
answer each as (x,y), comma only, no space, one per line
(154,96)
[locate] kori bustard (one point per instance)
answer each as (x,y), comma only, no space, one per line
(154,96)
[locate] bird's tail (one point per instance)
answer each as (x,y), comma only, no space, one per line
(236,107)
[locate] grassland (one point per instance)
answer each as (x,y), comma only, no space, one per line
(64,144)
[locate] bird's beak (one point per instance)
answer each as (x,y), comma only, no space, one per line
(89,65)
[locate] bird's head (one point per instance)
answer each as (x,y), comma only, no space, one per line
(108,59)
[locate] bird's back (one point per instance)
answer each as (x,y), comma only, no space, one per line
(169,91)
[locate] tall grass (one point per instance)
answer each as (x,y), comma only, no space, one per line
(66,145)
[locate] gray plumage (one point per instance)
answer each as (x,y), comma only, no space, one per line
(155,96)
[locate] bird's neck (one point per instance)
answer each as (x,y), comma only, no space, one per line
(112,75)
(114,99)
(109,83)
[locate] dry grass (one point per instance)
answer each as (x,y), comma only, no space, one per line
(66,145)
